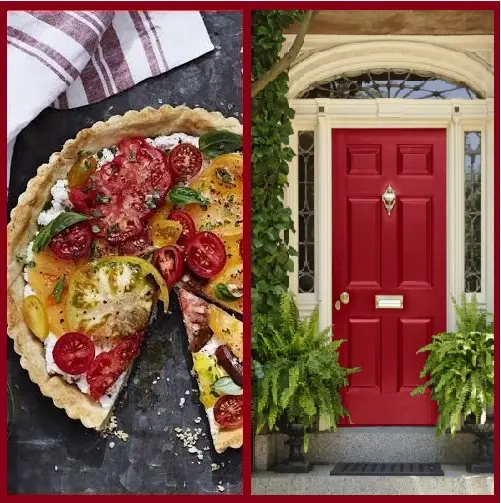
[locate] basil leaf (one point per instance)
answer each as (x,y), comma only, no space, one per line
(219,142)
(59,224)
(226,386)
(58,289)
(185,195)
(224,293)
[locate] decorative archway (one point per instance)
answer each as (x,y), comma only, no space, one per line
(359,56)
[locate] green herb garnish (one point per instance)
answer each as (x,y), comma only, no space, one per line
(224,175)
(59,224)
(219,142)
(21,259)
(58,289)
(184,195)
(224,293)
(226,386)
(102,199)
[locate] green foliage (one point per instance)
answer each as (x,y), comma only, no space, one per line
(460,367)
(271,127)
(297,371)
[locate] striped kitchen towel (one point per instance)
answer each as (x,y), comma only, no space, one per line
(67,59)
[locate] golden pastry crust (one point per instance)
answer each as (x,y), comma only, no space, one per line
(23,225)
(228,438)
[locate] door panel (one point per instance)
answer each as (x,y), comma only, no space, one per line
(374,253)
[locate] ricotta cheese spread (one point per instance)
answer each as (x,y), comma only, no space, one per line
(170,141)
(59,203)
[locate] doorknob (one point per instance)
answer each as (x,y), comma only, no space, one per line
(345,298)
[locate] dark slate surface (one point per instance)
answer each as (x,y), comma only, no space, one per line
(48,452)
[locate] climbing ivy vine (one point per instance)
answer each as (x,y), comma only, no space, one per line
(271,127)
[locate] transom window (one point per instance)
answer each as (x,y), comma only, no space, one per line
(389,83)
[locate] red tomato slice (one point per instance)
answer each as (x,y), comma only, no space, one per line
(169,261)
(74,242)
(109,365)
(188,224)
(82,198)
(126,191)
(138,244)
(102,374)
(73,353)
(185,161)
(127,350)
(205,254)
(228,411)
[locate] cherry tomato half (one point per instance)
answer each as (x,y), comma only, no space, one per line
(228,411)
(169,261)
(185,161)
(103,373)
(74,242)
(73,353)
(205,254)
(188,224)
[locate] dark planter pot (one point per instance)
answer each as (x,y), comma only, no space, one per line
(484,440)
(296,462)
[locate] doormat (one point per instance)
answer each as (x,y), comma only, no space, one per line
(379,469)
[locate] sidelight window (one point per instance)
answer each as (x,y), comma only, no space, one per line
(473,211)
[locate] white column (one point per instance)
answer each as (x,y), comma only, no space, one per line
(488,214)
(323,217)
(455,216)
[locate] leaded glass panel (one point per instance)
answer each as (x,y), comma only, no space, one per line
(473,214)
(389,83)
(306,227)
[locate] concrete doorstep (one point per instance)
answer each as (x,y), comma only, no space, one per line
(456,481)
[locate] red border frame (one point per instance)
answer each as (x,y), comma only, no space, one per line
(246,7)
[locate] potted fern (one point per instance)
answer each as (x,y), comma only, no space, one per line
(460,366)
(297,379)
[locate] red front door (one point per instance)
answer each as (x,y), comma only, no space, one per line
(379,254)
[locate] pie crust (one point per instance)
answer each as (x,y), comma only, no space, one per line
(22,227)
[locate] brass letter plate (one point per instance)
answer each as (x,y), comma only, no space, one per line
(389,301)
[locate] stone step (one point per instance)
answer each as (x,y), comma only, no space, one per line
(408,444)
(456,481)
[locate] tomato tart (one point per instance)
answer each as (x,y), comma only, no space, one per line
(129,210)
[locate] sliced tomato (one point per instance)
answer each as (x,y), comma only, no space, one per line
(74,242)
(138,244)
(185,161)
(127,350)
(169,261)
(165,233)
(129,188)
(103,373)
(228,411)
(81,171)
(205,254)
(73,353)
(82,198)
(109,365)
(188,224)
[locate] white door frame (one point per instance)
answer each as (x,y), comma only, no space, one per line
(457,117)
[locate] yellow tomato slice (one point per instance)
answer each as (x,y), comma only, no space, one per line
(113,297)
(208,372)
(227,329)
(35,316)
(165,233)
(81,171)
(222,183)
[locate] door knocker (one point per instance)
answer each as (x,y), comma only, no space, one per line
(389,197)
